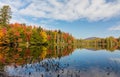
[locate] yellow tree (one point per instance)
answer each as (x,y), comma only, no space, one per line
(43,36)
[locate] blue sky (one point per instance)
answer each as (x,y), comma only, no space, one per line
(81,18)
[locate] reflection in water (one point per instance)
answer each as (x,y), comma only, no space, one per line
(44,69)
(59,61)
(98,46)
(30,55)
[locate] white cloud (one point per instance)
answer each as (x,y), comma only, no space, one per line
(115,28)
(68,10)
(115,59)
(73,9)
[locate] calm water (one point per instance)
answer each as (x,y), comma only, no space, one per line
(59,62)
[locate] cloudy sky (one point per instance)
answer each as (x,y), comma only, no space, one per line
(81,18)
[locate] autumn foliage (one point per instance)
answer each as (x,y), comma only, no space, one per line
(21,33)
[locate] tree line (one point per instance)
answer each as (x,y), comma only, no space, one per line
(108,43)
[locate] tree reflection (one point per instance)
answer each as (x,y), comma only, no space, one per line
(23,55)
(22,61)
(99,47)
(33,54)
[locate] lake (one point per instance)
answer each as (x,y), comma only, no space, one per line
(56,61)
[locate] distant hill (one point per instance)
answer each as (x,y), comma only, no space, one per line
(91,38)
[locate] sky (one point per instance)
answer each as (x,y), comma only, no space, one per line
(81,18)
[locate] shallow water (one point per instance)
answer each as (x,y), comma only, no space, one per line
(78,63)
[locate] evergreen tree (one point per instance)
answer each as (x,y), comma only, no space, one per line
(5,15)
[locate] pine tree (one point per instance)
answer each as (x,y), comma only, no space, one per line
(5,15)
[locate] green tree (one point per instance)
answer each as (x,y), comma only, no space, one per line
(5,15)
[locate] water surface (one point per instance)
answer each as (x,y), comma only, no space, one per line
(59,62)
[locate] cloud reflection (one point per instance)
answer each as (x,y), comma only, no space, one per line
(52,68)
